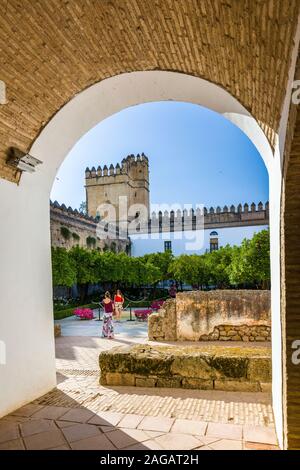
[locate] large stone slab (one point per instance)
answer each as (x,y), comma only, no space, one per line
(200,367)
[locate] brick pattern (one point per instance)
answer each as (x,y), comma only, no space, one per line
(290,273)
(47,58)
(81,414)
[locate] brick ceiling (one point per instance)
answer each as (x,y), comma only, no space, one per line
(52,49)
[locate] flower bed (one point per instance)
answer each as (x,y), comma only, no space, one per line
(84,313)
(142,315)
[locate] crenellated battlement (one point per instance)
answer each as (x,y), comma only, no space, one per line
(129,179)
(127,164)
(179,220)
(207,218)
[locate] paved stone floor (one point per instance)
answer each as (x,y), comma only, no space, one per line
(81,414)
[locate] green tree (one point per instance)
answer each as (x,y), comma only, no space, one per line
(191,269)
(251,261)
(145,272)
(162,261)
(63,268)
(84,261)
(218,264)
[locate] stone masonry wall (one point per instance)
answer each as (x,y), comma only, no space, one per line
(222,315)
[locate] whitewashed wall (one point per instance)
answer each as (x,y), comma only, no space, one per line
(190,242)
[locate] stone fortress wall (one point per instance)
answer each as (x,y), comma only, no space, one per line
(131,179)
(71,228)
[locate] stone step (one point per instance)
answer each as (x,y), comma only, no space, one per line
(206,367)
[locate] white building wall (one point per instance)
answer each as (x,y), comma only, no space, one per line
(190,241)
(27,365)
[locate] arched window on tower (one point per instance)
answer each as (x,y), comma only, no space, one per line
(213,241)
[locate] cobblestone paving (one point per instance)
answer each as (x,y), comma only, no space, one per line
(81,414)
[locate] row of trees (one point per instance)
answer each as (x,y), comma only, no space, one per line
(245,265)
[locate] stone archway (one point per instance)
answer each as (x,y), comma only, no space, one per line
(51,147)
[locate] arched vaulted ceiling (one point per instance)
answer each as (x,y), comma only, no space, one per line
(51,50)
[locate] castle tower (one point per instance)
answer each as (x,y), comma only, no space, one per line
(130,179)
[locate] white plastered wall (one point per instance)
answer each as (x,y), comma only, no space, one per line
(25,271)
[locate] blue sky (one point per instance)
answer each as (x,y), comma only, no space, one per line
(196,156)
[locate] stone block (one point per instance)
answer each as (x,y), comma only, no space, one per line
(198,384)
(169,382)
(116,378)
(145,381)
(236,385)
(259,369)
(198,367)
(193,367)
(102,380)
(266,387)
(231,333)
(228,365)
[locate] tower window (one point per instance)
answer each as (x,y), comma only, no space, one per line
(214,244)
(168,245)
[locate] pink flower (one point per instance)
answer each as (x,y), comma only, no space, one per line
(84,313)
(143,314)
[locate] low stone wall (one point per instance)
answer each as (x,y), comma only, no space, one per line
(207,368)
(225,315)
(238,333)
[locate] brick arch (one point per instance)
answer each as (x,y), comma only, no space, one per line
(53,50)
(114,94)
